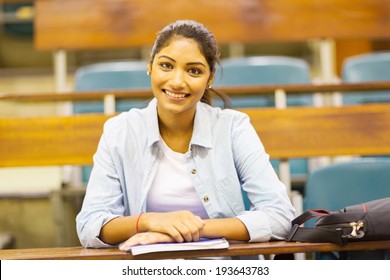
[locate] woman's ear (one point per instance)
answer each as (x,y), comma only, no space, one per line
(149,69)
(211,80)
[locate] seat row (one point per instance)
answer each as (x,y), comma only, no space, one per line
(242,71)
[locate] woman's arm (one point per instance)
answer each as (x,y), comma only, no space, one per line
(271,211)
(118,230)
(229,228)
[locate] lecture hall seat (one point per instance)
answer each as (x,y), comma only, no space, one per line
(368,67)
(264,70)
(111,76)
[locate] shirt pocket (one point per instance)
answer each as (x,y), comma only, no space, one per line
(229,193)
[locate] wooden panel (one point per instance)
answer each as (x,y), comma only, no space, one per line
(235,249)
(49,141)
(287,133)
(306,132)
(88,24)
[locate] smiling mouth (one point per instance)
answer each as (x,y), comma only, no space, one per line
(176,95)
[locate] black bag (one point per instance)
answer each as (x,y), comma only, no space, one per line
(364,222)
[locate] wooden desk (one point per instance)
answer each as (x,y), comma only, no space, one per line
(238,249)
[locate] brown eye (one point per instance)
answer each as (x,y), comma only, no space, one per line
(195,71)
(166,65)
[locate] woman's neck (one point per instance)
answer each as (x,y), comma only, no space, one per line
(176,132)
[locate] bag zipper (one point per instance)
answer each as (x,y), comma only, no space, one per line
(356,226)
(356,232)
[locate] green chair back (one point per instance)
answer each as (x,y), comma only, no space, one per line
(111,76)
(264,70)
(367,68)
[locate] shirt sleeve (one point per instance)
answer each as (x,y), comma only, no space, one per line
(271,212)
(103,199)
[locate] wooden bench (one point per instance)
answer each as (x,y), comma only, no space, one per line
(286,133)
(47,141)
(353,130)
(278,91)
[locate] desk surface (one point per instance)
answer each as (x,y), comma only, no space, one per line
(235,249)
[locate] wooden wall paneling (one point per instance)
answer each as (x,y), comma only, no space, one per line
(91,24)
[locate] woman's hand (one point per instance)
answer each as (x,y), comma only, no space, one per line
(181,225)
(144,238)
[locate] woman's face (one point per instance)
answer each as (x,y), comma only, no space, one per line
(179,75)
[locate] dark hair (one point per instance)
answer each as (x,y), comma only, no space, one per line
(208,45)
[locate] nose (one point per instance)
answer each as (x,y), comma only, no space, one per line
(177,80)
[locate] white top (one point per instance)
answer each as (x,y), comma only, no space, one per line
(172,188)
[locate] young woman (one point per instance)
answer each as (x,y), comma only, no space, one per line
(175,171)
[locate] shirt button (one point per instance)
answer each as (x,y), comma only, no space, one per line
(205,198)
(193,171)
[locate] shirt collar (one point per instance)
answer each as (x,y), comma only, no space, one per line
(201,136)
(152,122)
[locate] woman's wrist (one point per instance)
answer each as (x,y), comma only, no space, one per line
(211,230)
(137,228)
(145,221)
(142,222)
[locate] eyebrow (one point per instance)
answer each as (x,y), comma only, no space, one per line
(189,63)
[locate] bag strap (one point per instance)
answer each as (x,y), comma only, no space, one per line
(309,214)
(316,235)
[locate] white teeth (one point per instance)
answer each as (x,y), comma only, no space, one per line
(175,95)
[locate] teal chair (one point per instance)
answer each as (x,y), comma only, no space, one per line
(342,184)
(264,70)
(267,70)
(367,68)
(110,76)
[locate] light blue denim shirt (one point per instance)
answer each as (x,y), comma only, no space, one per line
(226,155)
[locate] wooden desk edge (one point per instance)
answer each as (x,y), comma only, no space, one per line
(144,94)
(235,249)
